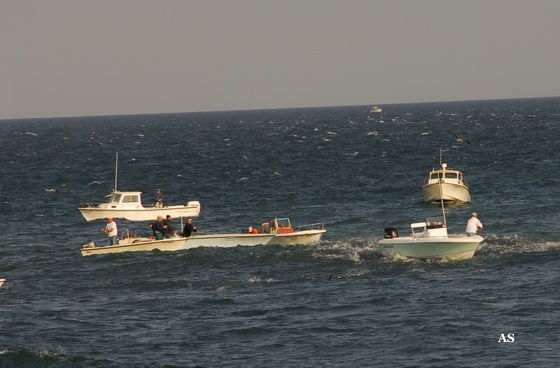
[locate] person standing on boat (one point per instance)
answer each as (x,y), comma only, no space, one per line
(111,230)
(473,225)
(159,227)
(158,199)
(189,228)
(168,228)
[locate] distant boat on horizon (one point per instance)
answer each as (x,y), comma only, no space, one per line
(376,109)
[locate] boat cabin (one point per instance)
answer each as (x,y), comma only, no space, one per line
(124,200)
(278,226)
(448,176)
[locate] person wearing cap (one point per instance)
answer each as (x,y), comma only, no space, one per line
(189,228)
(168,228)
(111,230)
(159,226)
(158,199)
(473,225)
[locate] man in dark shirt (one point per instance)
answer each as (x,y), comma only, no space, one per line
(168,229)
(158,199)
(189,228)
(158,227)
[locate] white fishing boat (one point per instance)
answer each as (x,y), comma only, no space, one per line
(128,205)
(135,244)
(429,240)
(2,281)
(376,109)
(285,234)
(445,184)
(276,232)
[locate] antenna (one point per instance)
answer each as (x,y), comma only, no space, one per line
(116,170)
(274,199)
(441,199)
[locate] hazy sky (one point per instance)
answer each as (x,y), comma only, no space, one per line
(107,57)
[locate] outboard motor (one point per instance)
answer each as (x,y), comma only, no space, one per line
(391,232)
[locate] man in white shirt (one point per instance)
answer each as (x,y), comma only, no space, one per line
(111,230)
(473,225)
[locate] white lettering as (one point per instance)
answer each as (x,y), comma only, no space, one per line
(507,338)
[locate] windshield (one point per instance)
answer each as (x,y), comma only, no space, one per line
(435,222)
(116,198)
(283,223)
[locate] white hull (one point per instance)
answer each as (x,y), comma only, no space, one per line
(446,184)
(298,237)
(137,245)
(216,240)
(227,240)
(141,214)
(2,281)
(449,192)
(453,247)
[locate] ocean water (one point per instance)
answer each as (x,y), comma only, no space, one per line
(337,303)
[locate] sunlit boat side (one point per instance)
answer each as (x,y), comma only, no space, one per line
(429,240)
(453,187)
(276,232)
(128,205)
(285,234)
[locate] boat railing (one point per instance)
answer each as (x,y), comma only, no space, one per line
(315,226)
(129,234)
(453,181)
(90,204)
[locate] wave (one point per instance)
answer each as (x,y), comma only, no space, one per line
(21,357)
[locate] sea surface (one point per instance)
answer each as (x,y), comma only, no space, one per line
(333,304)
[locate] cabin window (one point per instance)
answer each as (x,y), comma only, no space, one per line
(130,199)
(451,175)
(434,176)
(283,223)
(116,198)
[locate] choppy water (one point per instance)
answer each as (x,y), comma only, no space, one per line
(337,303)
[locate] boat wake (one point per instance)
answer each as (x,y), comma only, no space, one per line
(358,250)
(513,244)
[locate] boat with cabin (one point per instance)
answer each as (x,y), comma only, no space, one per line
(445,184)
(128,205)
(285,234)
(376,109)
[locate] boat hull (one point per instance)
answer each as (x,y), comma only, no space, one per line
(298,238)
(215,241)
(449,192)
(2,281)
(453,247)
(138,245)
(141,214)
(227,240)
